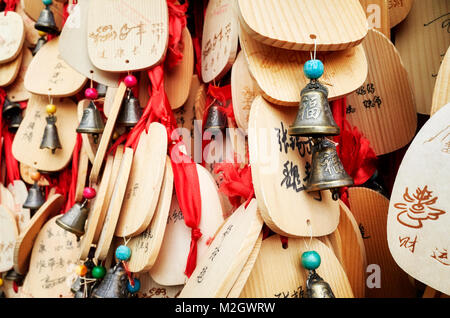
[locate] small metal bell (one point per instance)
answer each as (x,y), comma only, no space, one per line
(46,22)
(39,44)
(14,121)
(216,119)
(130,111)
(14,276)
(327,171)
(101,90)
(74,219)
(10,108)
(91,122)
(114,284)
(50,139)
(34,199)
(316,287)
(314,117)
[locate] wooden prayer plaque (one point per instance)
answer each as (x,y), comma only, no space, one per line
(419,211)
(144,183)
(145,247)
(278,272)
(422,40)
(8,237)
(220,39)
(12,34)
(10,70)
(383,108)
(16,91)
(48,74)
(151,289)
(218,269)
(280,165)
(29,135)
(279,72)
(31,34)
(441,94)
(127,35)
(73,46)
(398,10)
(301,24)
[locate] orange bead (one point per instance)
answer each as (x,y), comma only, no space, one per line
(51,109)
(35,176)
(1,282)
(81,270)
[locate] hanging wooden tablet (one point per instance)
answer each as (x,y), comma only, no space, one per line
(279,72)
(301,24)
(73,46)
(218,269)
(31,34)
(220,39)
(96,208)
(246,270)
(49,74)
(177,80)
(10,70)
(107,133)
(418,219)
(353,254)
(115,203)
(398,10)
(151,289)
(244,89)
(144,182)
(200,102)
(33,8)
(422,40)
(8,237)
(377,13)
(16,92)
(29,135)
(7,199)
(145,247)
(25,241)
(168,269)
(127,35)
(25,174)
(383,107)
(441,94)
(20,193)
(88,139)
(13,34)
(279,166)
(83,166)
(52,264)
(384,278)
(278,272)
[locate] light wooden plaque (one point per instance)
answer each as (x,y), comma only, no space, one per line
(145,247)
(441,94)
(301,24)
(377,13)
(8,237)
(218,269)
(220,39)
(10,70)
(422,40)
(419,211)
(279,72)
(31,34)
(16,91)
(398,10)
(29,135)
(88,139)
(151,289)
(279,166)
(12,33)
(144,183)
(278,272)
(83,166)
(383,108)
(127,35)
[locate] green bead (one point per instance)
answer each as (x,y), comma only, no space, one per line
(311,260)
(47,2)
(98,272)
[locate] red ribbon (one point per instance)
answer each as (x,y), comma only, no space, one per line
(73,182)
(10,5)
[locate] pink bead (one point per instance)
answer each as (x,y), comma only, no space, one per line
(89,193)
(91,93)
(130,81)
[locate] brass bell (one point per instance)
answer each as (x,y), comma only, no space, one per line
(314,117)
(46,21)
(101,90)
(10,108)
(91,122)
(14,121)
(316,287)
(114,284)
(50,139)
(216,119)
(34,199)
(74,219)
(130,111)
(327,171)
(39,44)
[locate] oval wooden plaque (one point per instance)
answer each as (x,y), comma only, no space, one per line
(31,34)
(20,193)
(12,33)
(279,166)
(441,94)
(16,91)
(151,289)
(8,237)
(398,10)
(10,70)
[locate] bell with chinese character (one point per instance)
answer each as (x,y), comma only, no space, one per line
(130,112)
(314,117)
(50,139)
(327,171)
(216,119)
(46,20)
(91,122)
(114,284)
(34,198)
(316,287)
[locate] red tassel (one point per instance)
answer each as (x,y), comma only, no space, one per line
(10,6)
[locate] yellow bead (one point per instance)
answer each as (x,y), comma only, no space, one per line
(115,135)
(1,282)
(42,33)
(81,270)
(51,109)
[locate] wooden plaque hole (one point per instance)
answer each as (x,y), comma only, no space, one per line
(313,36)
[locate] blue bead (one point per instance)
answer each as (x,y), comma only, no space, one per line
(311,260)
(313,69)
(123,253)
(47,2)
(135,289)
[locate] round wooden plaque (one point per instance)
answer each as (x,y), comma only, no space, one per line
(16,91)
(12,33)
(8,237)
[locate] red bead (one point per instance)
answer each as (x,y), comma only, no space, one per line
(130,81)
(89,193)
(91,93)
